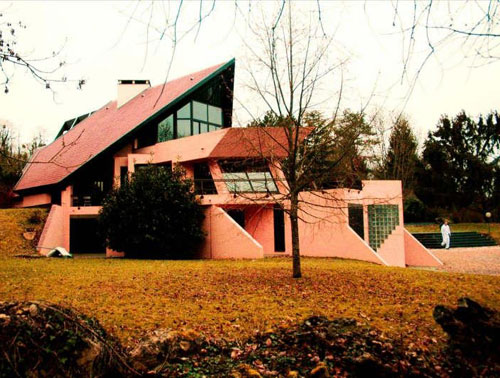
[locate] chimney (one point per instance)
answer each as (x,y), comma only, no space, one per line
(128,89)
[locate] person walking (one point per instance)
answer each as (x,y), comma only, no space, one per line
(446,234)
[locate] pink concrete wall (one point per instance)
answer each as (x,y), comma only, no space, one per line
(66,199)
(392,250)
(53,231)
(134,159)
(259,222)
(35,200)
(386,192)
(324,230)
(216,173)
(118,164)
(416,254)
(226,239)
(185,149)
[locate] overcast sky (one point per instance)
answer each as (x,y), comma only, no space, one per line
(102,43)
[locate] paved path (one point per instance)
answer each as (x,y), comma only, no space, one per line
(479,260)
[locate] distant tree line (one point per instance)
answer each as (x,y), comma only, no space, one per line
(13,158)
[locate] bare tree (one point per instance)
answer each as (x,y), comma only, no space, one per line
(446,31)
(44,69)
(288,70)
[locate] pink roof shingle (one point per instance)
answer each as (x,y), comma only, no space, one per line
(251,142)
(96,133)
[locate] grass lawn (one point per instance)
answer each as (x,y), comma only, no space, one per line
(233,299)
(13,222)
(459,227)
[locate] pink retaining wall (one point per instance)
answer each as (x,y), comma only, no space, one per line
(328,239)
(392,249)
(324,230)
(53,232)
(259,223)
(226,239)
(416,254)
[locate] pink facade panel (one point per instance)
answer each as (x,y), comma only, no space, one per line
(324,230)
(259,222)
(392,249)
(226,239)
(53,232)
(33,200)
(416,254)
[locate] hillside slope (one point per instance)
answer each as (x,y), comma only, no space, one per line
(13,223)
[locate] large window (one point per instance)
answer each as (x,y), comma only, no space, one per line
(191,119)
(166,129)
(248,177)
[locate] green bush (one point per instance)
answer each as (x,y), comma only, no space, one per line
(154,215)
(415,211)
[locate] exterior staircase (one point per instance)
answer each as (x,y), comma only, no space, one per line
(458,240)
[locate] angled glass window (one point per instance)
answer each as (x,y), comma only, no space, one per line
(215,115)
(262,182)
(192,119)
(185,111)
(196,127)
(166,129)
(183,128)
(200,111)
(237,182)
(248,176)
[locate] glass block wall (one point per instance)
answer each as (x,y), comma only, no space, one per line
(382,220)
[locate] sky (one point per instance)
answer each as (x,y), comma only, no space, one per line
(103,42)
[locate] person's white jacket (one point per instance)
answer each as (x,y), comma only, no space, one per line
(445,233)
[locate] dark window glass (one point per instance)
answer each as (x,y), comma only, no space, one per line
(203,181)
(356,219)
(123,175)
(166,129)
(238,216)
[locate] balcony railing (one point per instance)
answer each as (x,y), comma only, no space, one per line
(86,200)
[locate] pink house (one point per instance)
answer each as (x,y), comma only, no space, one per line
(187,121)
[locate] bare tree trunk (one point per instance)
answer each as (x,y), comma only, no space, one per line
(294,222)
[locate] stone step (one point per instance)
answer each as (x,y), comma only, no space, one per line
(458,239)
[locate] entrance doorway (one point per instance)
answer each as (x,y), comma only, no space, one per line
(279,229)
(356,219)
(84,236)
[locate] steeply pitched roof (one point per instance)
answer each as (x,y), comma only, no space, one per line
(104,128)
